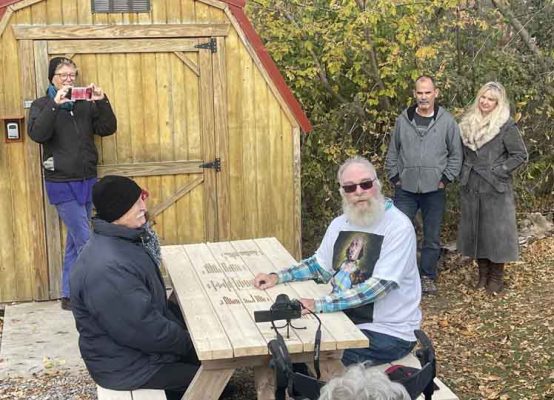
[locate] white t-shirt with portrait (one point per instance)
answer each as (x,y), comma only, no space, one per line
(389,254)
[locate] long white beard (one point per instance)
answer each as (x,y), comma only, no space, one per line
(365,216)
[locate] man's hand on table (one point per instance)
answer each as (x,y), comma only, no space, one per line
(265,281)
(309,304)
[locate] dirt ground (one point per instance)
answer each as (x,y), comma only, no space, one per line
(488,347)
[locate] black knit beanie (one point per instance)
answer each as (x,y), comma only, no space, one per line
(113,196)
(55,63)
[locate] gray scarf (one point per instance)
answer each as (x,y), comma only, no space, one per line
(151,244)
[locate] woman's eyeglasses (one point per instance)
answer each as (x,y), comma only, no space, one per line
(365,185)
(64,76)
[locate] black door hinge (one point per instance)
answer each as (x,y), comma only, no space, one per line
(216,164)
(211,45)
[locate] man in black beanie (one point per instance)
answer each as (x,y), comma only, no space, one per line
(129,336)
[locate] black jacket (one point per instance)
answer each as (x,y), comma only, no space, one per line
(68,136)
(126,331)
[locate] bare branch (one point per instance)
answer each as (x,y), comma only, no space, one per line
(507,13)
(373,72)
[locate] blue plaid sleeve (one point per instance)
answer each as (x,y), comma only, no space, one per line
(307,269)
(364,293)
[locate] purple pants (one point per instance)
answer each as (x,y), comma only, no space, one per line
(76,218)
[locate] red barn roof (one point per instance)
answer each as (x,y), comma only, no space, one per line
(237,9)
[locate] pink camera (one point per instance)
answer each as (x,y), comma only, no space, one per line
(79,93)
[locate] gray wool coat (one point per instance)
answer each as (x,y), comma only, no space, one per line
(488,226)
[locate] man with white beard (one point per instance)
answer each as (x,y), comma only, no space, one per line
(384,305)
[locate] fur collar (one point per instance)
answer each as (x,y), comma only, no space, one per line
(477,130)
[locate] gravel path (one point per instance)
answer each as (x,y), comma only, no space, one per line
(63,385)
(58,386)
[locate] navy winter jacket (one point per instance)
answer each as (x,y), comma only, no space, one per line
(126,331)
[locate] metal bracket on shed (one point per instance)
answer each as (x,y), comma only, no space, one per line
(215,164)
(211,45)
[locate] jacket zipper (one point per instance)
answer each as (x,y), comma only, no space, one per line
(81,142)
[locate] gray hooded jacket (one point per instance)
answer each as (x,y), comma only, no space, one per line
(421,161)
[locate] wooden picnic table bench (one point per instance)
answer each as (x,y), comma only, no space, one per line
(213,283)
(141,394)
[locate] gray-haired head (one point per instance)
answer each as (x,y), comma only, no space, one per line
(360,383)
(355,160)
(426,78)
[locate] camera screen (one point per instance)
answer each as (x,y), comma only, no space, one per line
(79,93)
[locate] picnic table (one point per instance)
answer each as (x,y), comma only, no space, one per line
(213,285)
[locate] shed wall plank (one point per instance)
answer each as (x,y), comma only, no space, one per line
(105,80)
(69,12)
(248,145)
(54,11)
(7,255)
(234,113)
(263,169)
(187,11)
(38,12)
(135,96)
(22,276)
(118,97)
(84,12)
(222,139)
(278,192)
(34,230)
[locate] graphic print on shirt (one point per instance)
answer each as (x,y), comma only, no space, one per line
(354,257)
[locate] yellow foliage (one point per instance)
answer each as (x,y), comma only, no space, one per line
(426,52)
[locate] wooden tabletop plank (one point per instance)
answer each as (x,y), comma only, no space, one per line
(198,313)
(346,334)
(262,260)
(244,336)
(253,299)
(250,254)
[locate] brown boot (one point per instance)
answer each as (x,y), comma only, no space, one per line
(484,270)
(496,278)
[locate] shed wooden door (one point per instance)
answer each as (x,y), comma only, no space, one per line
(169,99)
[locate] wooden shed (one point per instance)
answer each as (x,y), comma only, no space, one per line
(205,122)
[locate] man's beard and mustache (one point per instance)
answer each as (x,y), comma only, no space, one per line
(367,214)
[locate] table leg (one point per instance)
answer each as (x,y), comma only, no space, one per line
(208,384)
(264,378)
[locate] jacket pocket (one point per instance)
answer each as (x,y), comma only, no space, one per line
(498,183)
(499,172)
(409,175)
(429,179)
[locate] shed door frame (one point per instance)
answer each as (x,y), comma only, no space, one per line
(34,51)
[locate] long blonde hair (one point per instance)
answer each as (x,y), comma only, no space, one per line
(477,129)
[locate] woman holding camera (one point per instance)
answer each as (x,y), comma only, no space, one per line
(66,130)
(493,149)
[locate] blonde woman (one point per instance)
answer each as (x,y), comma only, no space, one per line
(493,149)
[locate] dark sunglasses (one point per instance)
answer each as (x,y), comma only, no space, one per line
(365,185)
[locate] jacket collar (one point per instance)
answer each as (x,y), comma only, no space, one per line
(410,111)
(105,228)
